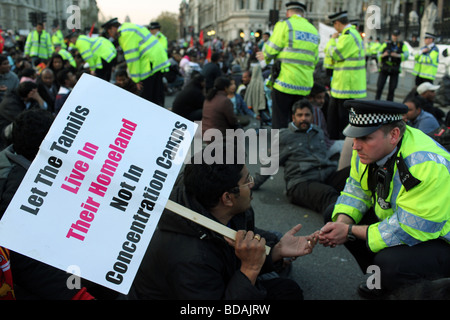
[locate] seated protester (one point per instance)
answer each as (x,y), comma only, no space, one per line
(242,112)
(32,279)
(218,109)
(25,97)
(189,262)
(427,94)
(317,98)
(67,81)
(56,64)
(125,82)
(8,80)
(311,177)
(418,118)
(28,74)
(189,101)
(47,88)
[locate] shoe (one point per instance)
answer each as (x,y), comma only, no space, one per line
(370,294)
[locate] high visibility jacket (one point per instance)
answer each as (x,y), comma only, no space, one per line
(163,40)
(295,43)
(39,46)
(93,50)
(328,62)
(349,75)
(67,56)
(143,53)
(426,65)
(416,214)
(373,49)
(58,39)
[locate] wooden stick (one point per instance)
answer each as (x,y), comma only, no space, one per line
(204,221)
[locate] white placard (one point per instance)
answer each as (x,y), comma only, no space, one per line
(94,194)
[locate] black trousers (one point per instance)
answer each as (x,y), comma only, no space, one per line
(106,71)
(420,80)
(153,89)
(402,265)
(337,118)
(282,108)
(318,196)
(393,82)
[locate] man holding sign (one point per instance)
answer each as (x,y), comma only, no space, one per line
(187,261)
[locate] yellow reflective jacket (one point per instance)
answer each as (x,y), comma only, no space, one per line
(163,40)
(67,56)
(39,46)
(295,43)
(58,39)
(426,65)
(349,76)
(93,50)
(143,52)
(416,214)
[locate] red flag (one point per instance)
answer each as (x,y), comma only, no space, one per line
(191,45)
(201,38)
(208,56)
(92,30)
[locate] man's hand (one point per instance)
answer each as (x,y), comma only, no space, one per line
(260,56)
(293,246)
(251,250)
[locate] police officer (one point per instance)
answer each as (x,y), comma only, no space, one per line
(294,46)
(155,29)
(38,45)
(394,211)
(146,58)
(391,55)
(427,61)
(349,72)
(98,52)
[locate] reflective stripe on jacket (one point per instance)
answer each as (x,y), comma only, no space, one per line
(426,65)
(143,52)
(36,46)
(67,56)
(93,50)
(414,216)
(349,76)
(295,43)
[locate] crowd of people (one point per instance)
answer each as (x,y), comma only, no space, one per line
(372,169)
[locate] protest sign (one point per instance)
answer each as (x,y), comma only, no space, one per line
(95,192)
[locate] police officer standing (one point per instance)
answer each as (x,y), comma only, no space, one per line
(38,44)
(155,29)
(349,73)
(146,58)
(394,211)
(427,61)
(391,55)
(294,46)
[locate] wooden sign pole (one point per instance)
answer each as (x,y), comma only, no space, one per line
(204,221)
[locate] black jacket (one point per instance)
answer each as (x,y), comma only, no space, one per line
(188,262)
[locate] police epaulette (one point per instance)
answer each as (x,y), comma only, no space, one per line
(407,179)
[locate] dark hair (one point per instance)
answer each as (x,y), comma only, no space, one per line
(215,57)
(300,104)
(208,182)
(343,20)
(3,57)
(122,73)
(62,76)
(414,99)
(219,85)
(196,80)
(29,129)
(25,88)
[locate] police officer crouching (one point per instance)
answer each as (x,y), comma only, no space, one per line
(394,211)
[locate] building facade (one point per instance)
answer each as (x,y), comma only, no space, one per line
(14,14)
(230,19)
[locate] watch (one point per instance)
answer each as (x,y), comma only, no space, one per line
(350,235)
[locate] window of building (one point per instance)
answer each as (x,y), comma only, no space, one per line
(242,4)
(260,5)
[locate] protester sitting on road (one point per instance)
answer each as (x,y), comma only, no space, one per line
(242,112)
(125,82)
(311,177)
(418,118)
(187,261)
(218,109)
(427,94)
(189,101)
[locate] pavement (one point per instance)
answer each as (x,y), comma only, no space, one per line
(327,273)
